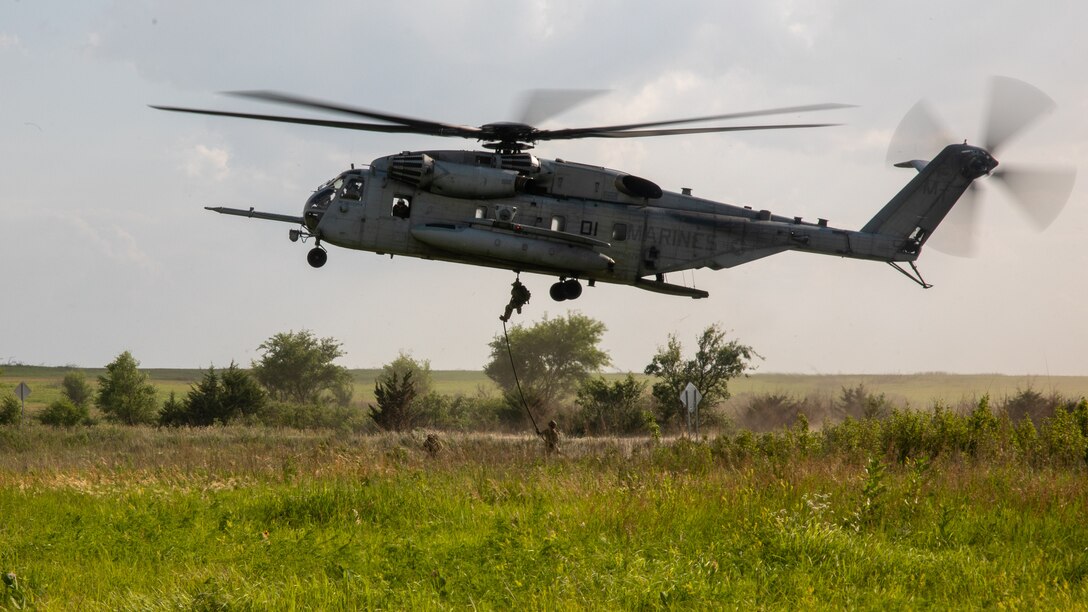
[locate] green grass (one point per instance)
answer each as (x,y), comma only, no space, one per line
(252,518)
(917,390)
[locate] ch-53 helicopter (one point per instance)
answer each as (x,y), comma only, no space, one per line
(506,208)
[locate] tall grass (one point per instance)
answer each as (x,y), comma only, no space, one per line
(241,517)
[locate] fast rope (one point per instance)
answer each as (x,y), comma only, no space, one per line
(519,296)
(513,368)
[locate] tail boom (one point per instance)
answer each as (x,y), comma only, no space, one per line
(916,211)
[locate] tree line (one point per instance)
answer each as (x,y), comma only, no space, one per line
(549,370)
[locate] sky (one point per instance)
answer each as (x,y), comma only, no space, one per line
(108,248)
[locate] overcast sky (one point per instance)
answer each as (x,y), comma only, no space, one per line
(107,246)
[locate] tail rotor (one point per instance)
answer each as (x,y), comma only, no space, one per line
(1040,193)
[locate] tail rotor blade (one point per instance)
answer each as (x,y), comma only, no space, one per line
(1014,105)
(1040,192)
(957,234)
(920,135)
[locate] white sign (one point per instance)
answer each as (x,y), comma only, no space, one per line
(690,397)
(22,391)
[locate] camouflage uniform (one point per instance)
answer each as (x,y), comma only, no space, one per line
(551,437)
(519,296)
(432,445)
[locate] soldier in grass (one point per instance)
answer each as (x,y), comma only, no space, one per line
(551,438)
(432,445)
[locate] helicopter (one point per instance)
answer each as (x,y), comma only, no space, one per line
(504,207)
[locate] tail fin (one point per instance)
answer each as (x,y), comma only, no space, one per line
(915,212)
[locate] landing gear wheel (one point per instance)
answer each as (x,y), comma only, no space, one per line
(557,292)
(572,289)
(317,257)
(568,289)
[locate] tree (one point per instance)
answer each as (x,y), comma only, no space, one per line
(715,362)
(394,396)
(551,358)
(217,398)
(242,395)
(124,393)
(298,367)
(400,391)
(76,388)
(174,412)
(611,407)
(204,403)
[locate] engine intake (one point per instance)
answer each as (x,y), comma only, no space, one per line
(637,187)
(453,179)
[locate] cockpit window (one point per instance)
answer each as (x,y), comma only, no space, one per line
(353,190)
(320,200)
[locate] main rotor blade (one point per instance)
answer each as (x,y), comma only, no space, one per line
(599,130)
(956,235)
(546,135)
(349,125)
(1041,192)
(920,135)
(539,105)
(420,126)
(1014,105)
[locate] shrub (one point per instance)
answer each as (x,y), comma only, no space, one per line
(610,408)
(906,434)
(10,410)
(949,430)
(684,455)
(1029,403)
(767,411)
(857,438)
(1026,438)
(649,422)
(982,429)
(311,416)
(858,403)
(64,413)
(1062,437)
(460,412)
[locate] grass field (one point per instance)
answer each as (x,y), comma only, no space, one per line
(917,390)
(923,509)
(250,518)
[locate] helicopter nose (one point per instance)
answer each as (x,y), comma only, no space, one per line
(315,208)
(312,217)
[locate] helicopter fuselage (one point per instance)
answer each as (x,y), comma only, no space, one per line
(517,212)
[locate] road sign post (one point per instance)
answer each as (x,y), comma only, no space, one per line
(690,397)
(22,392)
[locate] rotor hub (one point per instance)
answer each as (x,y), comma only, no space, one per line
(507,136)
(979,162)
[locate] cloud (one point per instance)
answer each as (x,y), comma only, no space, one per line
(10,41)
(94,41)
(117,244)
(206,162)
